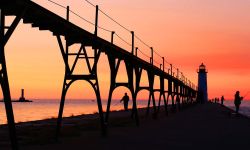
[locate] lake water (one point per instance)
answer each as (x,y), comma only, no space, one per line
(244,107)
(43,109)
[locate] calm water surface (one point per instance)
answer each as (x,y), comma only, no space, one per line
(244,107)
(43,109)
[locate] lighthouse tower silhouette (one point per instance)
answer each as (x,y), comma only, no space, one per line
(202,84)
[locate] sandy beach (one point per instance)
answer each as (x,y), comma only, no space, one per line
(208,126)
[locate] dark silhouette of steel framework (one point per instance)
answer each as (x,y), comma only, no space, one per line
(42,18)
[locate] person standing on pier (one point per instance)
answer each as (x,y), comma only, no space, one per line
(237,101)
(125,100)
(222,100)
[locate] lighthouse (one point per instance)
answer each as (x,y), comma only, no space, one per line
(22,99)
(202,84)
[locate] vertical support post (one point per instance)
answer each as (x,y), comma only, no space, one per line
(138,73)
(173,95)
(5,86)
(130,72)
(149,100)
(94,71)
(181,76)
(152,55)
(133,41)
(181,100)
(61,107)
(67,53)
(112,37)
(171,69)
(136,50)
(165,103)
(96,19)
(134,110)
(162,94)
(159,102)
(151,77)
(96,29)
(65,85)
(99,104)
(163,64)
(170,89)
(177,73)
(67,14)
(113,72)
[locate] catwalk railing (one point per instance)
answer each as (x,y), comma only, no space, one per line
(179,89)
(136,50)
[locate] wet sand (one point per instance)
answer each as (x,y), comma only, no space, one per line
(207,126)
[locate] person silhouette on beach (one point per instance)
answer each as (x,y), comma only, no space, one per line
(125,100)
(222,100)
(237,101)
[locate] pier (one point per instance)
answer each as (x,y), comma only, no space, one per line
(90,47)
(207,126)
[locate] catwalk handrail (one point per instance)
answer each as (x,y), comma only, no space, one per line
(120,37)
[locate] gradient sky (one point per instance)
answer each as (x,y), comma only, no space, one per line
(186,32)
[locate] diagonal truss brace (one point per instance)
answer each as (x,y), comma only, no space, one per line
(89,76)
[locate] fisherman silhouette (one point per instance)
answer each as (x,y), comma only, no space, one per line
(237,101)
(222,100)
(125,100)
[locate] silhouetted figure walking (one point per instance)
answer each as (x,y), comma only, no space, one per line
(237,101)
(125,100)
(222,100)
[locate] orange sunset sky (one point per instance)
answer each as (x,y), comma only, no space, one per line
(185,32)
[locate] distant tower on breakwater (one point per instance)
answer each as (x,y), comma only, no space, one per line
(21,99)
(202,84)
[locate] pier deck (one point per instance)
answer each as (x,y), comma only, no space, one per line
(207,126)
